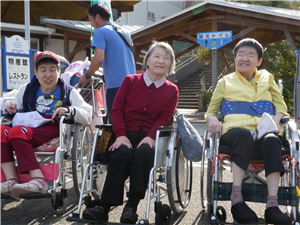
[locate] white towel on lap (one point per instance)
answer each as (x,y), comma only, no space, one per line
(265,126)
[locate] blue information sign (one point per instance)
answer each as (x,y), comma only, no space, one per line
(214,40)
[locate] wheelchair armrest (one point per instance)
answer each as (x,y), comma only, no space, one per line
(69,119)
(98,76)
(104,126)
(165,128)
(7,116)
(221,118)
(285,120)
(6,119)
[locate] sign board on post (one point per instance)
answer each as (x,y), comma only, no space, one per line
(16,60)
(214,40)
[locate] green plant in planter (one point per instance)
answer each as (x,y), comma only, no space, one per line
(206,98)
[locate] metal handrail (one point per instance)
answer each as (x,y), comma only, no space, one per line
(225,71)
(184,63)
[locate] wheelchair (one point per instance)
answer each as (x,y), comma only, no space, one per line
(64,158)
(171,174)
(254,186)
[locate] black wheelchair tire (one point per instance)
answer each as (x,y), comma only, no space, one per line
(209,188)
(165,218)
(79,156)
(183,200)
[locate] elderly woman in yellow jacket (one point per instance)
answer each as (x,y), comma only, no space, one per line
(242,97)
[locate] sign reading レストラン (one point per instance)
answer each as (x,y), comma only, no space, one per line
(214,40)
(17,62)
(18,71)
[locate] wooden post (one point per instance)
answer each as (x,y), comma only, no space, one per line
(214,61)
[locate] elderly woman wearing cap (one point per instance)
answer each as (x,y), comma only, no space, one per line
(49,96)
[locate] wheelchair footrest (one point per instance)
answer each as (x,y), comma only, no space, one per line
(75,217)
(30,196)
(255,193)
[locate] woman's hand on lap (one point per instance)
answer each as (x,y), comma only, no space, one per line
(147,140)
(122,140)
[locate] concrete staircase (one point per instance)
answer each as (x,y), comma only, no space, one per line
(191,86)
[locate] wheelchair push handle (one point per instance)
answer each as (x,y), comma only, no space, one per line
(103,126)
(285,120)
(165,128)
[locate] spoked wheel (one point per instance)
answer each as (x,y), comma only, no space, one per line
(163,218)
(292,211)
(206,179)
(99,180)
(179,180)
(203,181)
(184,177)
(81,150)
(209,188)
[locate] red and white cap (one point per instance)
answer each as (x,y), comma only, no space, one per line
(46,54)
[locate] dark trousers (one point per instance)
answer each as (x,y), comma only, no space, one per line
(135,163)
(110,97)
(239,144)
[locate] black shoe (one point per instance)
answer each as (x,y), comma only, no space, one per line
(128,216)
(241,213)
(98,213)
(273,215)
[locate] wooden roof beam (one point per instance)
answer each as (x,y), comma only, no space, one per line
(258,23)
(252,14)
(69,30)
(189,37)
(6,9)
(290,40)
(170,32)
(78,48)
(241,34)
(169,22)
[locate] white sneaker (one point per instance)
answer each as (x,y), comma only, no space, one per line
(33,186)
(6,189)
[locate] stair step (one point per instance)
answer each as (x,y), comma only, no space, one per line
(187,107)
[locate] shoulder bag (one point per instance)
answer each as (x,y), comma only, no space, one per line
(192,143)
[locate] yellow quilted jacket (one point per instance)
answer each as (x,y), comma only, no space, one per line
(234,87)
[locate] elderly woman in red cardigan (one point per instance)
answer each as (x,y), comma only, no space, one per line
(143,102)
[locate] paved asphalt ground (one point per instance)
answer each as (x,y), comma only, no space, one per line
(38,211)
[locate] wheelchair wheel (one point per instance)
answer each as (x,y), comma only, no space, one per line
(59,193)
(179,180)
(99,180)
(293,212)
(203,183)
(165,217)
(209,188)
(206,183)
(82,147)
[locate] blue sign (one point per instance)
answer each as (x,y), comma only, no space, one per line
(296,52)
(16,63)
(214,40)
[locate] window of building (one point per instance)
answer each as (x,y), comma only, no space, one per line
(151,16)
(34,44)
